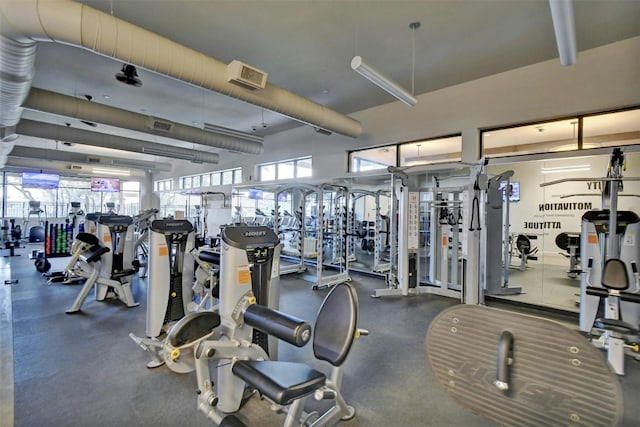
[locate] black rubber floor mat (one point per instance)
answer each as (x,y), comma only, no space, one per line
(556,378)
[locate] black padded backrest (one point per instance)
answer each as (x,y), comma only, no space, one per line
(336,325)
(523,243)
(615,275)
(88,238)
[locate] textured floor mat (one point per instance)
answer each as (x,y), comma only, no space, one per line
(556,378)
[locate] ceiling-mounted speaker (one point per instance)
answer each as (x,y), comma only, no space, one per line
(129,75)
(246,76)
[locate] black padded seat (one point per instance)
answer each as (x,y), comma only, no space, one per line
(193,327)
(335,330)
(282,382)
(231,421)
(95,254)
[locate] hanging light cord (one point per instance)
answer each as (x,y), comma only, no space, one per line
(414,26)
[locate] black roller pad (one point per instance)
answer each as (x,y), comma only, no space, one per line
(556,378)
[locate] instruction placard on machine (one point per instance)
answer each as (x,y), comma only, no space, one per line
(413,221)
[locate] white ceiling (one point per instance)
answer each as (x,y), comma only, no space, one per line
(306,47)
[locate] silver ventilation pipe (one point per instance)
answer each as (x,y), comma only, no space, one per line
(79,136)
(82,26)
(21,163)
(68,106)
(16,72)
(83,159)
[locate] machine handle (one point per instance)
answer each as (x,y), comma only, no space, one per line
(505,360)
(281,325)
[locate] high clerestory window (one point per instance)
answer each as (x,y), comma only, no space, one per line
(412,153)
(286,169)
(211,179)
(580,132)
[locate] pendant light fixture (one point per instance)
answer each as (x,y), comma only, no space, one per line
(385,83)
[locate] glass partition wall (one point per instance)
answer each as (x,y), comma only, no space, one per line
(545,222)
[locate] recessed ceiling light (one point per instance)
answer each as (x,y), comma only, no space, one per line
(325,91)
(106,96)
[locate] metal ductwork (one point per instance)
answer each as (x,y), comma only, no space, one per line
(63,105)
(79,158)
(65,168)
(80,25)
(79,136)
(16,72)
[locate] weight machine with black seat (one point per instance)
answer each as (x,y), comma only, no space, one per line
(570,244)
(609,234)
(245,330)
(522,247)
(113,278)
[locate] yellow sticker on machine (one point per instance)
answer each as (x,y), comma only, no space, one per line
(244,275)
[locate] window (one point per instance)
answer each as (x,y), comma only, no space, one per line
(163,185)
(372,159)
(428,151)
(303,168)
(611,129)
(56,203)
(286,169)
(570,134)
(226,177)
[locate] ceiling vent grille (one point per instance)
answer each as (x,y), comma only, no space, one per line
(246,76)
(93,160)
(160,125)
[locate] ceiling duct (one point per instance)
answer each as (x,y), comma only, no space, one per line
(69,106)
(79,136)
(79,158)
(82,26)
(63,168)
(16,68)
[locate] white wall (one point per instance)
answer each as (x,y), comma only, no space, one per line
(544,212)
(603,78)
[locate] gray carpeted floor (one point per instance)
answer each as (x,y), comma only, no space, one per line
(84,370)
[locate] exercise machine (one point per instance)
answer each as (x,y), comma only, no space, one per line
(332,232)
(109,270)
(169,293)
(36,232)
(615,284)
(606,233)
(570,245)
(235,336)
(496,237)
(82,244)
(522,247)
(521,370)
(207,276)
(610,234)
(250,262)
(430,247)
(141,224)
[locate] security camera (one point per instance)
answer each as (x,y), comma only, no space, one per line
(253,128)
